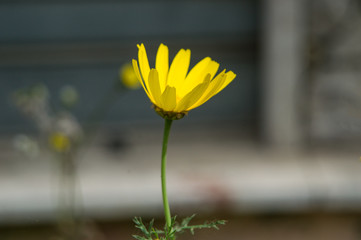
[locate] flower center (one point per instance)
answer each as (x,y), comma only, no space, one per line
(169,114)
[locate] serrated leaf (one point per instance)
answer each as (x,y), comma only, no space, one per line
(139,237)
(186,221)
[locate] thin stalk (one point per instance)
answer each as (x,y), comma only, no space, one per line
(167,126)
(68,222)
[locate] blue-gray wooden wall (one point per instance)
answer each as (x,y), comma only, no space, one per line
(84,42)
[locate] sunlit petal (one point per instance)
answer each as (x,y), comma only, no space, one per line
(198,73)
(193,77)
(212,90)
(143,63)
(179,68)
(162,65)
(229,79)
(154,88)
(137,73)
(192,97)
(168,99)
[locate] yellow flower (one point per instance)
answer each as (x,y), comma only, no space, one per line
(173,90)
(128,77)
(59,142)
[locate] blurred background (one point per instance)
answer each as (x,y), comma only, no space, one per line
(277,153)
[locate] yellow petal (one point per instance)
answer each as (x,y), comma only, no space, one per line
(168,99)
(162,65)
(193,96)
(193,78)
(220,82)
(216,84)
(154,88)
(179,68)
(212,90)
(198,73)
(229,79)
(212,68)
(143,63)
(137,73)
(136,70)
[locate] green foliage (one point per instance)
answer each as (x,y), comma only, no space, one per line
(151,233)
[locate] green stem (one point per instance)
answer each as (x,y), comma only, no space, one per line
(167,126)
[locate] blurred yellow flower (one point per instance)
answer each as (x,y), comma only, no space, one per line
(128,77)
(59,142)
(173,90)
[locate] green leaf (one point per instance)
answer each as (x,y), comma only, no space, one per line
(151,232)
